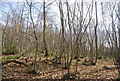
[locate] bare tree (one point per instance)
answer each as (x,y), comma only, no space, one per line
(44,30)
(35,36)
(96,40)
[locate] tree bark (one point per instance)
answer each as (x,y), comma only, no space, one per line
(44,30)
(96,40)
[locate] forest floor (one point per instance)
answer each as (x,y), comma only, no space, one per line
(56,71)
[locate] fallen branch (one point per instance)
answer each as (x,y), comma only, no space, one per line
(9,61)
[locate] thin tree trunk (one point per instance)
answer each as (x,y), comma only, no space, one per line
(62,24)
(44,30)
(119,39)
(96,40)
(35,36)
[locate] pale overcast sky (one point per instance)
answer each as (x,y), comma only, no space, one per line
(54,7)
(58,0)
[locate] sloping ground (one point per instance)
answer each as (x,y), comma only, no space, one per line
(55,71)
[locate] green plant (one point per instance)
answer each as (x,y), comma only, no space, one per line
(10,57)
(11,49)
